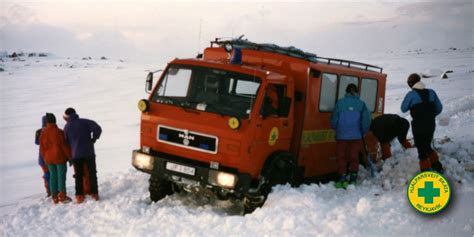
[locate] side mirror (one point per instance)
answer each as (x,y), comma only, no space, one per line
(149,83)
(285,105)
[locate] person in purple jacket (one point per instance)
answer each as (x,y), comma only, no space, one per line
(41,162)
(81,134)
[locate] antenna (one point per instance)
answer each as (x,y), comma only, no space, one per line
(199,36)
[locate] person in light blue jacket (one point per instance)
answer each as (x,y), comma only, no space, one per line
(351,120)
(424,105)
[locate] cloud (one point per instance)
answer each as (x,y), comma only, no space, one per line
(61,41)
(424,25)
(434,9)
(162,31)
(16,14)
(448,14)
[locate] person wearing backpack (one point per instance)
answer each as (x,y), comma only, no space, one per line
(424,105)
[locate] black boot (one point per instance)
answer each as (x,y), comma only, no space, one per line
(438,167)
(435,164)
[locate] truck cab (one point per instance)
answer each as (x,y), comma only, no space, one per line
(245,117)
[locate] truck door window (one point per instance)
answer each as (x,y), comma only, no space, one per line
(343,82)
(274,94)
(368,92)
(328,92)
(246,88)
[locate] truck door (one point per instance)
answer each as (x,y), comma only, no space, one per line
(274,127)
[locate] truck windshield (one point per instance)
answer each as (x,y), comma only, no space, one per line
(208,89)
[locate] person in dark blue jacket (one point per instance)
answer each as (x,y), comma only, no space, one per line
(41,162)
(81,134)
(351,120)
(424,106)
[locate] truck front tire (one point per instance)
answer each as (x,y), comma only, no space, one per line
(159,188)
(278,170)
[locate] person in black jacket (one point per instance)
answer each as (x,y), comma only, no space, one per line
(424,105)
(388,126)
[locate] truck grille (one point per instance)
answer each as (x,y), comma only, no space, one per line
(187,139)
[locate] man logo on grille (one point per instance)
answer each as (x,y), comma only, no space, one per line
(186,137)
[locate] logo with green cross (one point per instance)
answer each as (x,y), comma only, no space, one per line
(429,192)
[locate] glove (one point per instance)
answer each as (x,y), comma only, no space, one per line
(93,140)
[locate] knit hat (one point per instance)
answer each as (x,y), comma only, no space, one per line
(351,89)
(50,118)
(68,112)
(413,79)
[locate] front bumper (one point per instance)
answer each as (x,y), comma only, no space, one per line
(194,172)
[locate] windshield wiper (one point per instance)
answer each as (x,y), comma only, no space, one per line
(171,100)
(213,108)
(185,105)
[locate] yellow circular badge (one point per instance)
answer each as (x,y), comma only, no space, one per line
(143,105)
(273,137)
(429,192)
(234,123)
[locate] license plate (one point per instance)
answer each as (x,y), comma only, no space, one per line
(180,168)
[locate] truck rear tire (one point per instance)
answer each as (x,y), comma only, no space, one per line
(278,170)
(159,188)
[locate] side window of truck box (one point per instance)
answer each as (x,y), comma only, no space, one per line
(327,98)
(368,92)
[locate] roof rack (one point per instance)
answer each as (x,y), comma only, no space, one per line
(293,52)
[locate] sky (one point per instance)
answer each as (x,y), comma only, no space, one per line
(162,30)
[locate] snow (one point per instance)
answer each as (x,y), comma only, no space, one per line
(107,91)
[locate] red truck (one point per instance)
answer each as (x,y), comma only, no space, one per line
(243,117)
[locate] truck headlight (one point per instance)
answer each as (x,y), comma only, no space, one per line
(222,179)
(143,105)
(142,161)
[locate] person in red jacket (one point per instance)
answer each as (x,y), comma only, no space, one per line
(55,153)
